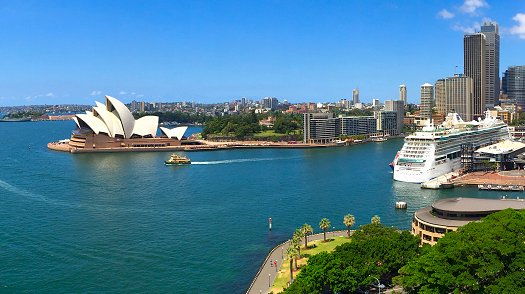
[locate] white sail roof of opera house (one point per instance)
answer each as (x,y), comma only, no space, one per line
(174,133)
(114,118)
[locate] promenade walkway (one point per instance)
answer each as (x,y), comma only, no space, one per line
(266,275)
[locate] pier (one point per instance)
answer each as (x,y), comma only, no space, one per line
(513,180)
(442,182)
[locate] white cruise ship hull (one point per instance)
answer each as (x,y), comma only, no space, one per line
(423,174)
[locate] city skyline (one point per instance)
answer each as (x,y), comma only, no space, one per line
(74,53)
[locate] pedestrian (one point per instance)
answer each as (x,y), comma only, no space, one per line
(271,263)
(275,263)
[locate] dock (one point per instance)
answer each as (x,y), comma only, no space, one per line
(442,182)
(512,188)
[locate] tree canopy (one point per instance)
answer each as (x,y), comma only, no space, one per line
(375,250)
(240,125)
(481,257)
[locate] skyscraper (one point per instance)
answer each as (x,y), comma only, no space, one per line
(455,94)
(514,85)
(403,94)
(491,32)
(427,94)
(355,96)
(474,63)
(481,63)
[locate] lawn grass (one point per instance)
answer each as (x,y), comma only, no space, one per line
(268,133)
(314,248)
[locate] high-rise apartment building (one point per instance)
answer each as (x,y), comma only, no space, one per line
(403,94)
(343,103)
(474,64)
(355,96)
(491,32)
(514,85)
(397,106)
(270,103)
(427,99)
(455,94)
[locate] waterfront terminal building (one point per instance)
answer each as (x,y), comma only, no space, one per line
(447,215)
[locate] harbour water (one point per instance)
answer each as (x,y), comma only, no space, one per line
(127,223)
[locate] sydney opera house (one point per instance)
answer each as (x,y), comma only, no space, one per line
(112,127)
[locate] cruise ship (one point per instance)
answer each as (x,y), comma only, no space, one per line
(435,151)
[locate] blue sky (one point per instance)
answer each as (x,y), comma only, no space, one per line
(56,52)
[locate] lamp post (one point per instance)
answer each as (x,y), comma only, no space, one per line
(269,283)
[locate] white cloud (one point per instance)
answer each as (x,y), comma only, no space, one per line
(445,14)
(123,93)
(96,93)
(50,95)
(470,6)
(519,29)
(140,96)
(133,93)
(475,27)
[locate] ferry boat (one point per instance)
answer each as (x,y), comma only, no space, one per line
(435,151)
(177,160)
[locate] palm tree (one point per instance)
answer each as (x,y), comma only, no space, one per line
(307,230)
(349,221)
(296,240)
(292,254)
(324,225)
(376,220)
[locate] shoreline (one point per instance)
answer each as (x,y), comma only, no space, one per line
(204,146)
(201,145)
(259,281)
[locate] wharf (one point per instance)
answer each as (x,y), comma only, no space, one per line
(515,188)
(503,178)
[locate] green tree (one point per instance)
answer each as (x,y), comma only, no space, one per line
(480,257)
(307,230)
(292,254)
(297,239)
(349,221)
(376,220)
(375,250)
(324,225)
(284,124)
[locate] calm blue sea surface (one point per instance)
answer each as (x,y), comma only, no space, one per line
(127,223)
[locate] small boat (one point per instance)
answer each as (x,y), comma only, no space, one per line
(177,160)
(378,139)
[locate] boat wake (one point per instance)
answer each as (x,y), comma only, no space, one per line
(235,160)
(10,188)
(37,197)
